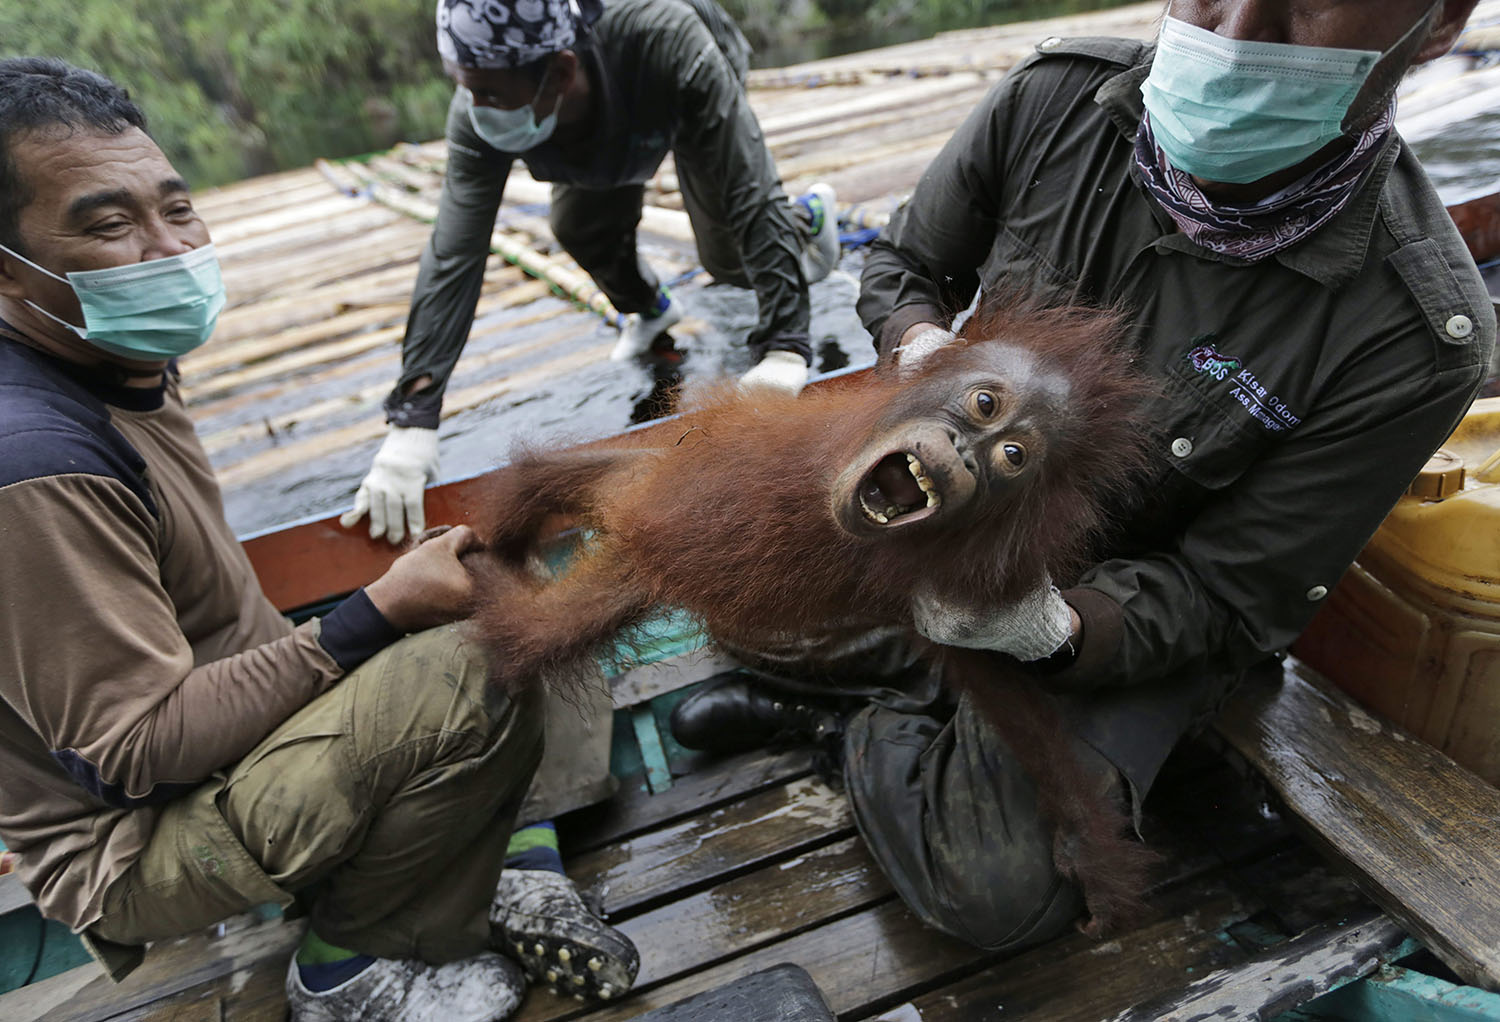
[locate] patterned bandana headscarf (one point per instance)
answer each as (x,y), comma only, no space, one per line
(1266,227)
(510,33)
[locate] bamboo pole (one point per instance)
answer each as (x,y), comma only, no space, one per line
(866,102)
(225,439)
(280,459)
(253,280)
(569,282)
(256,349)
(810,168)
(354,223)
(947,110)
(294,360)
(383,284)
(237,229)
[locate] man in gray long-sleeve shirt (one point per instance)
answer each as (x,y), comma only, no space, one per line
(594,107)
(1317,327)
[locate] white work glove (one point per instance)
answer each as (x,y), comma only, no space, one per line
(392,492)
(1035,626)
(910,354)
(785,370)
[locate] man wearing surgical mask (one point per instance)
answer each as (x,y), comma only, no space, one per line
(1316,328)
(173,750)
(592,98)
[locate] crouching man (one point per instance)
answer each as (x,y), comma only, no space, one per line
(173,750)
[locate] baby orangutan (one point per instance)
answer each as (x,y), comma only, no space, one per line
(775,520)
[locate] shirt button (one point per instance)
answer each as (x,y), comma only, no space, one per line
(1049,43)
(1459,326)
(1316,593)
(1182,447)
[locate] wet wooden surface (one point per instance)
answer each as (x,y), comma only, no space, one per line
(750,861)
(1421,832)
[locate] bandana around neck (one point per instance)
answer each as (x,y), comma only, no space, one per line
(1266,227)
(510,33)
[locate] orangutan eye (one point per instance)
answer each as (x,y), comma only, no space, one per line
(985,403)
(1015,454)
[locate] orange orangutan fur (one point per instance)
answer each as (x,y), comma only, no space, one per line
(729,518)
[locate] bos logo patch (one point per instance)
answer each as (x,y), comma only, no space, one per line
(1264,407)
(1206,359)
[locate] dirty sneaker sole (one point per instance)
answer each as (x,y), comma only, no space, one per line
(542,922)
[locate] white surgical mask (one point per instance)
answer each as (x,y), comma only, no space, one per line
(512,131)
(158,309)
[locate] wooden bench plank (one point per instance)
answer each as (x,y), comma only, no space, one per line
(1419,831)
(776,823)
(644,683)
(740,916)
(633,811)
(1043,983)
(858,962)
(1316,962)
(171,968)
(1218,920)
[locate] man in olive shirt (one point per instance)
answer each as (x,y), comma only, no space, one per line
(1316,326)
(593,103)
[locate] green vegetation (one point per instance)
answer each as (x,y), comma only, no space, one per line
(235,88)
(241,87)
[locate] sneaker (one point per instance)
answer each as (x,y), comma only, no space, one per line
(784,370)
(485,988)
(820,254)
(641,329)
(538,917)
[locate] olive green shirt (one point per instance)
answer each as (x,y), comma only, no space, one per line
(1299,394)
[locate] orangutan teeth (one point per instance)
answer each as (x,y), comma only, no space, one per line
(877,516)
(926,484)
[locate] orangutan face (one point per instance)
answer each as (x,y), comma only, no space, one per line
(977,431)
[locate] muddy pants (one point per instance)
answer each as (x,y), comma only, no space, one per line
(385,806)
(952,821)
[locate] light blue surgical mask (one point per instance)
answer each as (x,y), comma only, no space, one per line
(1236,111)
(150,311)
(512,131)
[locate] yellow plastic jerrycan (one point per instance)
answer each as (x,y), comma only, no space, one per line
(1413,629)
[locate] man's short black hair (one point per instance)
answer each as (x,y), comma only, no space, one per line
(37,93)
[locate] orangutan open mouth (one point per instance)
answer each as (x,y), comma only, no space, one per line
(898,488)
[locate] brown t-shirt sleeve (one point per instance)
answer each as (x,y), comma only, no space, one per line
(94,659)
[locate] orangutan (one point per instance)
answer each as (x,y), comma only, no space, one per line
(769,518)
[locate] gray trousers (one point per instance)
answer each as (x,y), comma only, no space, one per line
(598,228)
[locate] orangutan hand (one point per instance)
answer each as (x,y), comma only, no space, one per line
(1035,626)
(428,585)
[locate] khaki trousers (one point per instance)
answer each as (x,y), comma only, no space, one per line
(384,806)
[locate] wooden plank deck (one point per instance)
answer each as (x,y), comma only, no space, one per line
(751,861)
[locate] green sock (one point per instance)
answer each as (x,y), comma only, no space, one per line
(534,847)
(317,951)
